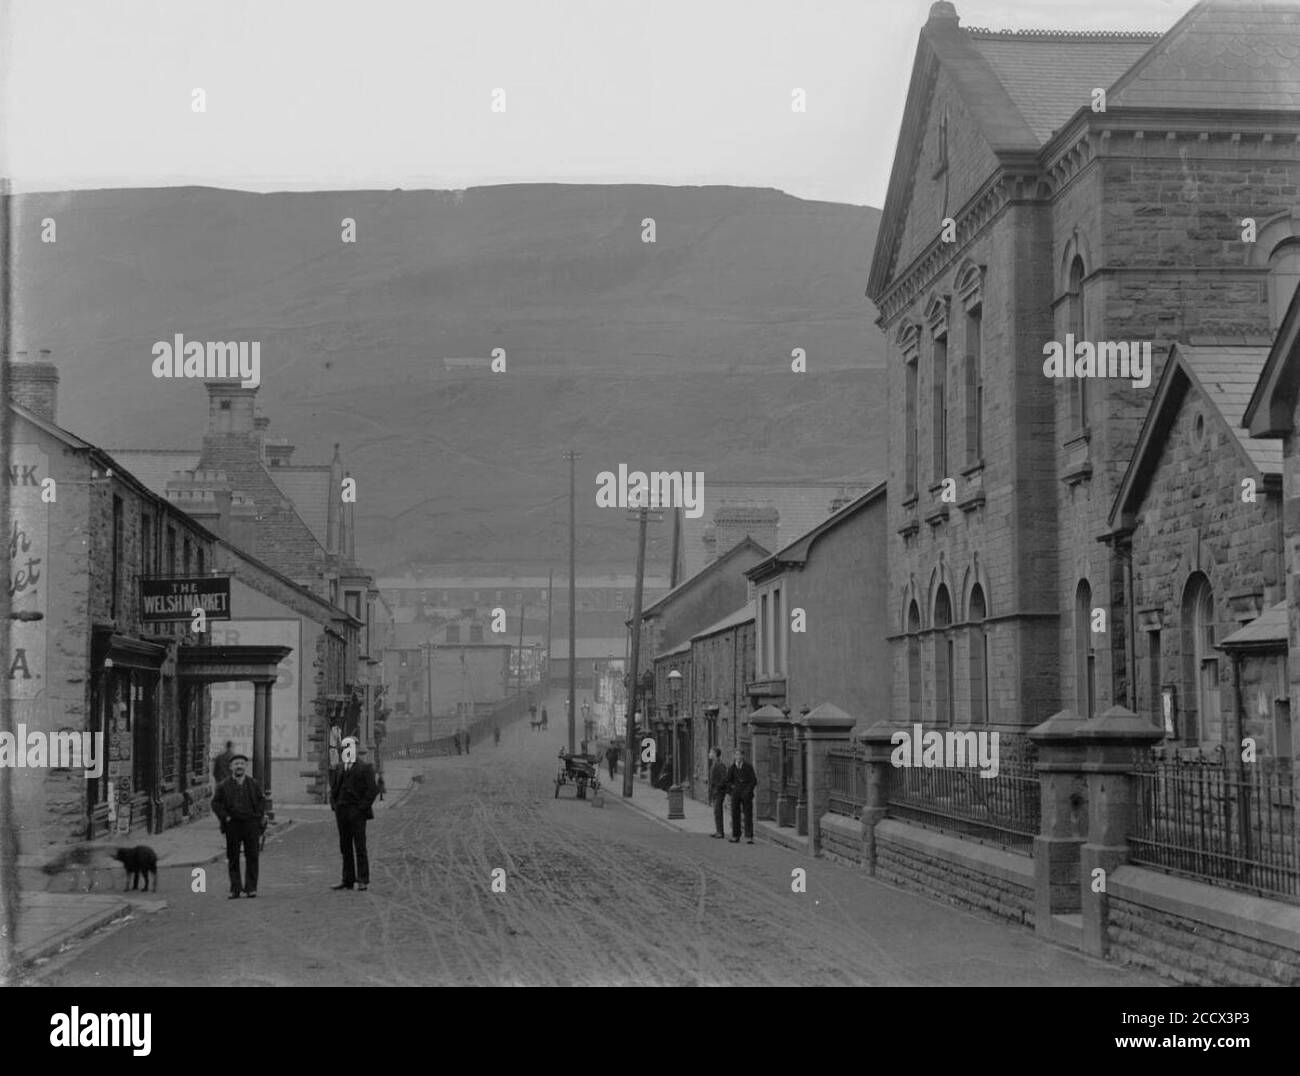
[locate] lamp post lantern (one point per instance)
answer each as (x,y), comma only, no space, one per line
(675,805)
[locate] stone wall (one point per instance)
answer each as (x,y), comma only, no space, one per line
(840,838)
(955,871)
(1201,935)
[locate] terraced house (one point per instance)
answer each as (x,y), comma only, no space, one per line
(1074,546)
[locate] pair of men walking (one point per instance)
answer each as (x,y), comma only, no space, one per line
(738,782)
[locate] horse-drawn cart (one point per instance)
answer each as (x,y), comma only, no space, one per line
(578,770)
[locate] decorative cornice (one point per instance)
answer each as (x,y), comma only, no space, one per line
(1002,189)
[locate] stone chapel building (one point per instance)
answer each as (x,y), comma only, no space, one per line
(1053,188)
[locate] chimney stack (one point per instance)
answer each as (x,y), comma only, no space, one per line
(230,407)
(35,385)
(278,452)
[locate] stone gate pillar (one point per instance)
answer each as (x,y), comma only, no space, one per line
(763,727)
(825,727)
(877,746)
(1063,827)
(1115,741)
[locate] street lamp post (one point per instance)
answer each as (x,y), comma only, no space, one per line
(676,808)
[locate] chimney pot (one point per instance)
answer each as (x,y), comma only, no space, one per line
(941,11)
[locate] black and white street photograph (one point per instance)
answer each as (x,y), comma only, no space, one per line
(600,493)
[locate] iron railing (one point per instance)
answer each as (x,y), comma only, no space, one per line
(1003,810)
(846,770)
(1228,825)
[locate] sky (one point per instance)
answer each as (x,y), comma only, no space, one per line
(321,94)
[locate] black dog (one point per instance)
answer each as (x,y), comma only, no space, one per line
(139,860)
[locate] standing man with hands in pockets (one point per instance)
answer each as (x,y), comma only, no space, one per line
(352,793)
(741,780)
(240,807)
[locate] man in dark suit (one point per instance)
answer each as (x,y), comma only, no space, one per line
(741,781)
(717,790)
(240,807)
(352,794)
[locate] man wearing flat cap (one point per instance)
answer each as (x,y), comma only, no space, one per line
(240,807)
(352,792)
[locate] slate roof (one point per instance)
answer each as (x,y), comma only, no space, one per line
(656,607)
(282,539)
(1240,55)
(1269,627)
(155,466)
(1271,407)
(743,615)
(1050,76)
(308,487)
(1228,374)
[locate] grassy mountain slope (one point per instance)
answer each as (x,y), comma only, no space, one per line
(665,355)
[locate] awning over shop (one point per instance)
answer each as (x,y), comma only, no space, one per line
(127,653)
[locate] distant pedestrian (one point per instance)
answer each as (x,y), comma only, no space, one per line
(543,717)
(532,717)
(496,735)
(240,807)
(221,764)
(741,781)
(611,757)
(455,738)
(717,790)
(352,797)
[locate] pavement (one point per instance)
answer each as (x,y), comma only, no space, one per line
(653,803)
(53,911)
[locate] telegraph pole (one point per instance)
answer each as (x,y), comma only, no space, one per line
(571,456)
(428,669)
(550,607)
(633,688)
(519,680)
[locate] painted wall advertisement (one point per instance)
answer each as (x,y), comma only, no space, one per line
(28,575)
(232,704)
